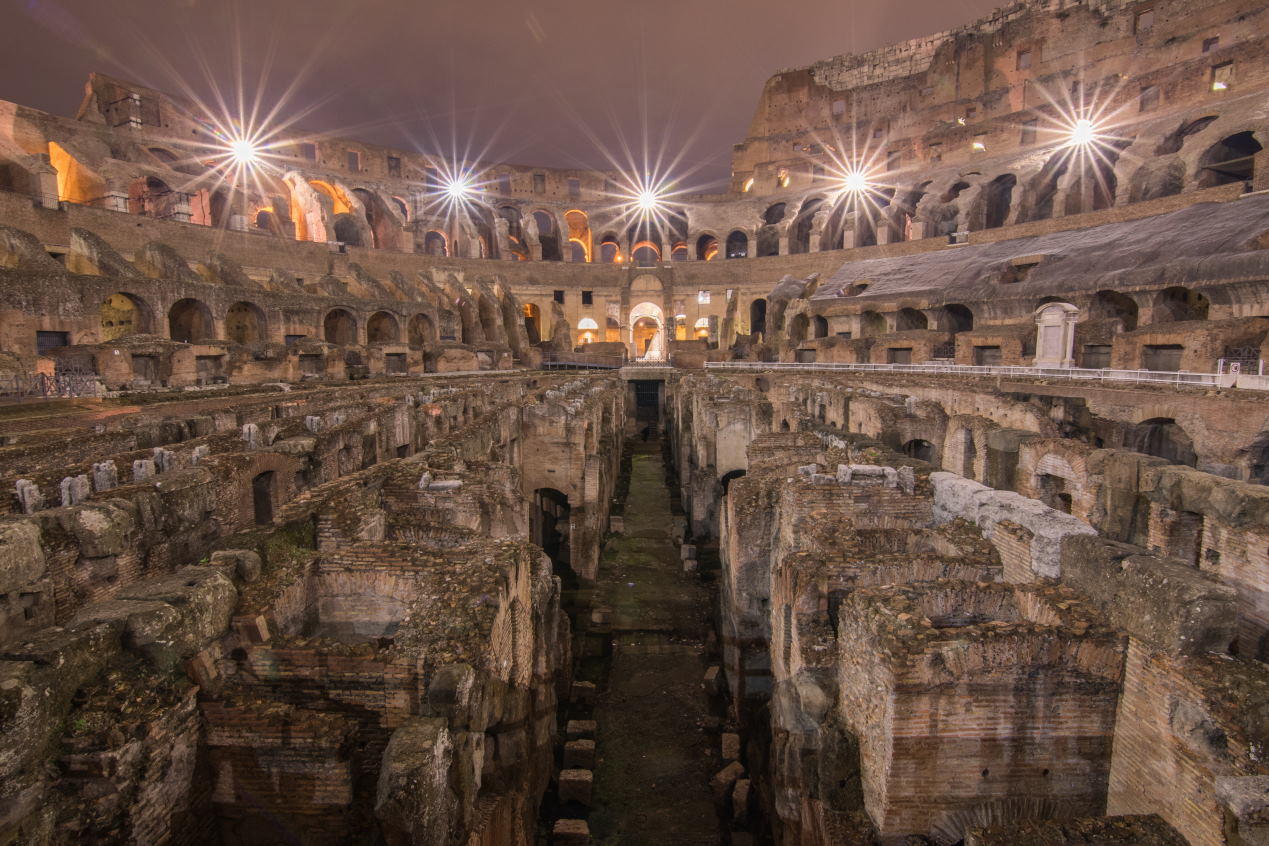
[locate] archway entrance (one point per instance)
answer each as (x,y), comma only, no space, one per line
(647,332)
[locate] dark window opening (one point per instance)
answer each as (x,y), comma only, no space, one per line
(558,297)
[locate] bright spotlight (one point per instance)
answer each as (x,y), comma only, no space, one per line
(1082,133)
(243,152)
(647,201)
(855,181)
(458,189)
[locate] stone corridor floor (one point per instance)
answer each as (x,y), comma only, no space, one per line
(656,754)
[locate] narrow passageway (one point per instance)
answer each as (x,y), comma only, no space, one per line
(655,738)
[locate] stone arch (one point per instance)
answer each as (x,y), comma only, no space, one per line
(819,326)
(1113,305)
(533,323)
(421,331)
(998,200)
(706,247)
(920,449)
(1155,179)
(340,327)
(190,321)
(435,243)
(1231,159)
(125,314)
(802,225)
(758,316)
(1177,304)
(647,331)
(383,328)
(579,238)
(956,317)
(737,244)
(609,248)
(1163,438)
(871,324)
(799,326)
(910,318)
(548,235)
(245,324)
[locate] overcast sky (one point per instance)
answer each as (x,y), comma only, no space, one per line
(550,82)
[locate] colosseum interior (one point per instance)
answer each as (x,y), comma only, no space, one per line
(910,490)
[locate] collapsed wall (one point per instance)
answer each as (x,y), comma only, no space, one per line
(292,616)
(915,656)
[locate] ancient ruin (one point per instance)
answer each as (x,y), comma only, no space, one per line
(911,491)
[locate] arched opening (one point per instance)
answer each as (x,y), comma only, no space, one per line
(435,243)
(245,324)
(728,477)
(189,321)
(956,318)
(609,249)
(798,328)
(152,197)
(768,233)
(587,331)
(1052,492)
(533,323)
(1044,186)
(645,254)
(706,248)
(262,497)
(737,245)
(701,329)
(909,318)
(1232,159)
(647,331)
(1174,142)
(348,230)
(678,252)
(421,331)
(1177,304)
(872,324)
(1157,179)
(123,314)
(919,449)
(550,529)
(75,183)
(998,200)
(578,235)
(383,328)
(1112,305)
(800,230)
(548,236)
(1095,182)
(819,326)
(340,327)
(1163,438)
(758,317)
(969,454)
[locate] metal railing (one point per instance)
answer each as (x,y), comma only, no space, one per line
(1182,377)
(68,384)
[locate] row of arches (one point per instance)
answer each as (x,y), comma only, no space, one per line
(191,321)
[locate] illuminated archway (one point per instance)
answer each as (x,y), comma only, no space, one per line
(645,254)
(578,235)
(647,332)
(123,314)
(75,183)
(587,331)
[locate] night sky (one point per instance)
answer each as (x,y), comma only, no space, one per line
(548,82)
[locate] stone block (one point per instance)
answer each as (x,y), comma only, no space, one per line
(713,680)
(687,551)
(724,780)
(731,746)
(21,555)
(576,729)
(576,786)
(740,800)
(579,754)
(570,833)
(245,563)
(584,693)
(691,565)
(616,525)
